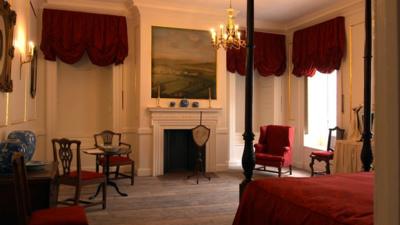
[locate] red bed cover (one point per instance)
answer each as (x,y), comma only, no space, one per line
(325,200)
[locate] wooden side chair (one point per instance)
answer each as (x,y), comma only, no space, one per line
(74,215)
(62,150)
(326,156)
(107,138)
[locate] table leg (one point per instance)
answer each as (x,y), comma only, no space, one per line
(109,182)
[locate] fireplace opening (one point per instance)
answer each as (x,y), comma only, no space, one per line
(180,151)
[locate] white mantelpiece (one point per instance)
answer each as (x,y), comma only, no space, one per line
(182,118)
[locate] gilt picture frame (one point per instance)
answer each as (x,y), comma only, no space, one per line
(183,64)
(7,22)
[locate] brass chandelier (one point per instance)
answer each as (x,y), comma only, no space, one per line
(229,34)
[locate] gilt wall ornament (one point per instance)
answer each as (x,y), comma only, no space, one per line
(8,19)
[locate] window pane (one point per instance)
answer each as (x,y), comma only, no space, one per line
(321,111)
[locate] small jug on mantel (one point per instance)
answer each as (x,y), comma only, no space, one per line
(184,103)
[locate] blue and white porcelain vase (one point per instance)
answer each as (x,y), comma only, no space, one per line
(7,149)
(28,139)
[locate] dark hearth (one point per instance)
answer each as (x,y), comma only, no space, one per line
(179,151)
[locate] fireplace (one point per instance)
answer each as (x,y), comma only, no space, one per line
(180,151)
(164,119)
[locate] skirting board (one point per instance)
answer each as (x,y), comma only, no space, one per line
(236,163)
(222,166)
(143,172)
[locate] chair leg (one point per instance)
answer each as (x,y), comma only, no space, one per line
(77,194)
(104,195)
(97,163)
(328,169)
(133,173)
(279,171)
(117,172)
(290,169)
(312,166)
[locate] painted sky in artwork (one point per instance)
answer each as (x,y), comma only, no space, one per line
(182,44)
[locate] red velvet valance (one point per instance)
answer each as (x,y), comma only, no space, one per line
(320,47)
(68,35)
(269,55)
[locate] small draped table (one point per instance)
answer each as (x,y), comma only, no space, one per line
(347,156)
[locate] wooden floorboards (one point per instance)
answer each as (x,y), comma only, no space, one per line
(171,199)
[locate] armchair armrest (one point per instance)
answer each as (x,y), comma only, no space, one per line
(260,148)
(281,151)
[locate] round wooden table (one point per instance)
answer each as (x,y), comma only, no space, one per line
(108,151)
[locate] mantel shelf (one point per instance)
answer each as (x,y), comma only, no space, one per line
(186,110)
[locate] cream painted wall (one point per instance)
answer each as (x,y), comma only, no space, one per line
(230,87)
(169,18)
(84,99)
(350,79)
(267,109)
(85,103)
(18,111)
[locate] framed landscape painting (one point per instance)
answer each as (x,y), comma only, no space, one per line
(183,64)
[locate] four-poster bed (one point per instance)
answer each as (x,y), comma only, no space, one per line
(328,200)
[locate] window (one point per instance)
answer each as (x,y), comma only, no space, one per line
(320,109)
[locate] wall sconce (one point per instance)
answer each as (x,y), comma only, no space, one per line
(24,56)
(29,53)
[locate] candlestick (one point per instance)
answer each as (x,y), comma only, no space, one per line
(209,97)
(158,96)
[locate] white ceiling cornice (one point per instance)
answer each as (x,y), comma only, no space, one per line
(144,5)
(112,7)
(347,8)
(147,4)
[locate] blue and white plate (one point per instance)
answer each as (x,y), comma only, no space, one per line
(35,165)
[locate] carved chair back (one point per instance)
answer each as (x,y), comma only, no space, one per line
(107,137)
(339,136)
(63,154)
(22,194)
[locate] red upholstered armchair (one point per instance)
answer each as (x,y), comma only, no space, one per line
(274,148)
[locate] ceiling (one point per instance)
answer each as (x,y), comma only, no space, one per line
(278,11)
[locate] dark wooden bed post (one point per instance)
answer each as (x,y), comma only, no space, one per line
(248,160)
(366,153)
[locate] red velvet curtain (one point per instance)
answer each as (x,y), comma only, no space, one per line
(68,35)
(269,55)
(320,47)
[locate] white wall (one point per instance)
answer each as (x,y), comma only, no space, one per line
(83,99)
(267,109)
(169,18)
(18,111)
(271,94)
(84,102)
(350,78)
(230,87)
